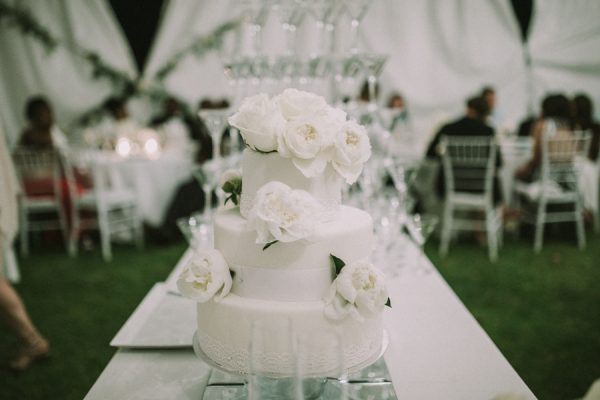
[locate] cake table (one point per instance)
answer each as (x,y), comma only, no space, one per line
(436,350)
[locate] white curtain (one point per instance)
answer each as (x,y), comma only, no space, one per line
(26,69)
(440,53)
(564,42)
(184,21)
(443,52)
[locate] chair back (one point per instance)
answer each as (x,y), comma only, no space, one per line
(469,163)
(99,172)
(38,171)
(561,150)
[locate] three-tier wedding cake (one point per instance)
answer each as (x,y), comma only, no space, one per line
(289,250)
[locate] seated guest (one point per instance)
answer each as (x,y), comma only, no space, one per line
(488,93)
(41,132)
(179,127)
(397,106)
(583,109)
(526,126)
(471,124)
(556,114)
(116,123)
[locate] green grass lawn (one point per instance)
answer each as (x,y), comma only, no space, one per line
(541,310)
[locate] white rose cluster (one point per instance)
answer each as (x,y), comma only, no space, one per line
(206,276)
(358,291)
(283,214)
(301,126)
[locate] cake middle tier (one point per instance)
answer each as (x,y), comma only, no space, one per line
(259,169)
(296,271)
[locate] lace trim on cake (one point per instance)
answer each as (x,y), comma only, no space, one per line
(237,360)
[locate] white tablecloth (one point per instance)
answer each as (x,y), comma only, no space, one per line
(153,181)
(437,350)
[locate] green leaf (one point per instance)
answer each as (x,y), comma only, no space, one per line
(388,303)
(338,264)
(266,246)
(228,187)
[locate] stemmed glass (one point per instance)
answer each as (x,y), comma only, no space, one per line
(319,360)
(403,174)
(326,13)
(196,231)
(256,13)
(208,177)
(216,121)
(373,65)
(357,10)
(291,13)
(272,360)
(420,227)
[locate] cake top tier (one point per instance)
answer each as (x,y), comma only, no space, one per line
(303,128)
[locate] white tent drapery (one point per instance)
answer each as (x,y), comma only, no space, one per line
(440,53)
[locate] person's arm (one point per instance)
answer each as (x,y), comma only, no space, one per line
(432,150)
(595,143)
(526,171)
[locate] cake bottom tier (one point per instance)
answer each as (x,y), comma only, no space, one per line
(227,328)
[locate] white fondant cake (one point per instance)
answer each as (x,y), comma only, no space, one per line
(292,251)
(264,168)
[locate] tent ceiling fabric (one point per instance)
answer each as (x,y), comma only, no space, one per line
(440,53)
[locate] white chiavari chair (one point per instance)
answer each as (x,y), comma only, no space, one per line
(111,203)
(40,205)
(556,197)
(469,164)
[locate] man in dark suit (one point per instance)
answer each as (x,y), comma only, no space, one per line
(471,124)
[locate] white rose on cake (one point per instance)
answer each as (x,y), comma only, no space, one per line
(282,214)
(206,276)
(295,103)
(259,121)
(358,291)
(352,149)
(307,141)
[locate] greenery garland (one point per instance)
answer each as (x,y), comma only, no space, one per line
(123,85)
(199,47)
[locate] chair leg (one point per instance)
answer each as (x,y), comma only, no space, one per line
(62,220)
(24,231)
(446,230)
(74,234)
(104,235)
(492,234)
(517,205)
(499,221)
(539,226)
(579,226)
(138,228)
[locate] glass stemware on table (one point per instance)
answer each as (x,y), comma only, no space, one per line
(357,10)
(216,121)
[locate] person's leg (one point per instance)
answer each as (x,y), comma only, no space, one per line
(13,312)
